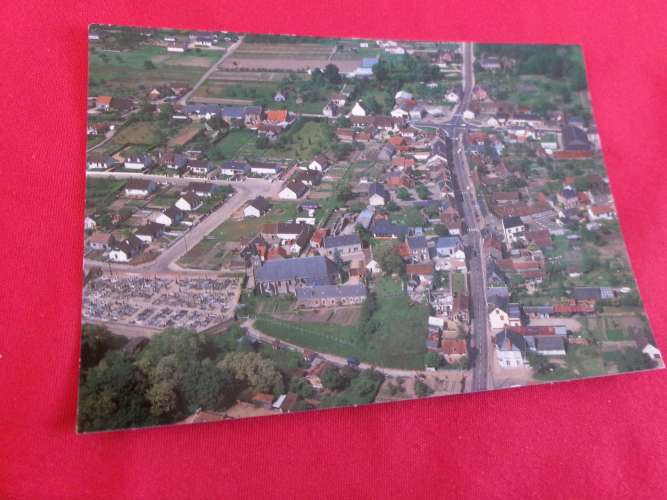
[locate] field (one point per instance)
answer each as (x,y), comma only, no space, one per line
(184,136)
(120,73)
(397,341)
(303,141)
(101,193)
(230,145)
(286,57)
(138,133)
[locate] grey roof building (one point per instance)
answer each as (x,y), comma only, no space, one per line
(323,295)
(285,276)
(342,240)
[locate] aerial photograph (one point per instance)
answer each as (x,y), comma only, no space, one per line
(278,224)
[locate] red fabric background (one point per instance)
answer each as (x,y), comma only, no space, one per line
(595,438)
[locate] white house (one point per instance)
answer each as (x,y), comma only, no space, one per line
(358,110)
(279,97)
(319,163)
(292,191)
(512,228)
(188,202)
(138,162)
(256,208)
(89,224)
(139,188)
(652,352)
(468,115)
(373,267)
(402,94)
(170,217)
(601,212)
(377,195)
(511,349)
(498,318)
(452,97)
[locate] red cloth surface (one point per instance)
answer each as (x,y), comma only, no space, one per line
(601,438)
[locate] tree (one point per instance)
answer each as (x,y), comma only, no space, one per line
(333,380)
(381,71)
(392,206)
(148,64)
(441,230)
(403,194)
(254,371)
(112,395)
(433,359)
(262,142)
(331,74)
(386,253)
(633,360)
(344,193)
(421,389)
(301,387)
(423,192)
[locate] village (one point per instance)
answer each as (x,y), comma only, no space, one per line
(400,219)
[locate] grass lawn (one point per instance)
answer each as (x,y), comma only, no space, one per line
(144,133)
(100,193)
(304,140)
(458,282)
(397,342)
(585,360)
(410,216)
(231,144)
(617,335)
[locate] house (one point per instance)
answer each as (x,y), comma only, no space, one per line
(201,167)
(202,111)
(549,345)
(99,162)
(538,312)
(423,270)
(377,195)
(278,117)
(490,63)
(89,224)
(138,162)
(292,191)
(234,115)
(330,110)
(373,267)
(188,202)
(418,247)
(139,188)
(387,152)
(149,231)
(339,99)
(652,352)
(447,246)
(285,276)
(383,229)
(171,216)
(514,314)
(498,315)
(358,109)
(125,250)
(233,168)
(177,47)
(309,177)
(402,95)
(279,96)
(567,197)
(601,212)
(452,97)
(512,228)
(365,217)
(173,161)
(330,295)
(103,102)
(203,189)
(343,245)
(511,350)
(262,168)
(252,115)
(319,163)
(281,231)
(453,350)
(257,207)
(575,139)
(100,241)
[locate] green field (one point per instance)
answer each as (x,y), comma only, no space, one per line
(138,133)
(398,340)
(100,193)
(231,144)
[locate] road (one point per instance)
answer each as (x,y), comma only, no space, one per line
(230,50)
(166,261)
(456,129)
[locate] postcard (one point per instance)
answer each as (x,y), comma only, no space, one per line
(278,224)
